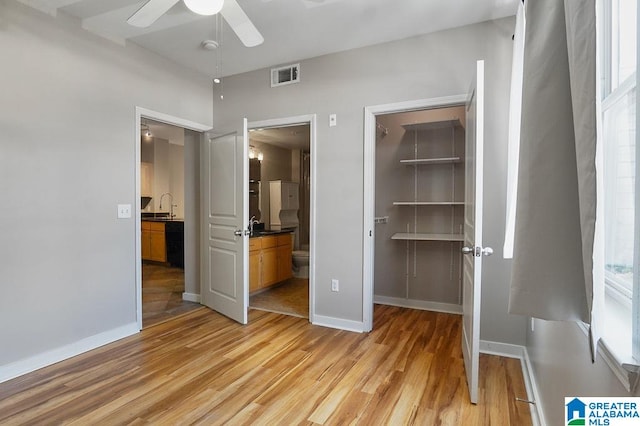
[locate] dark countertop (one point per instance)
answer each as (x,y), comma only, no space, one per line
(267,232)
(161,219)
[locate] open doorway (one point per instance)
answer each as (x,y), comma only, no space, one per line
(167,197)
(280,194)
(414,200)
(420,200)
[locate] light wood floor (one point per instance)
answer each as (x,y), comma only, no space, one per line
(202,368)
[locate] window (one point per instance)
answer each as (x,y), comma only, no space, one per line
(618,60)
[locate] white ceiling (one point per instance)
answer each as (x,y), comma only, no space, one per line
(293,29)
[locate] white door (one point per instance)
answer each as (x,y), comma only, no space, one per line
(224,173)
(473,250)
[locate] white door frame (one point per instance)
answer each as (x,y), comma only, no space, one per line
(368,231)
(168,119)
(290,121)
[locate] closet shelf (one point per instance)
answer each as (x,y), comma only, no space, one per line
(428,203)
(444,160)
(431,125)
(427,237)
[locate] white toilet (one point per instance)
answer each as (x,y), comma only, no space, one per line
(300,263)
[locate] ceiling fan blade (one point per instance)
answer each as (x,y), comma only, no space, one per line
(241,24)
(150,12)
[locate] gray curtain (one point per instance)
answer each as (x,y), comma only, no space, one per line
(553,253)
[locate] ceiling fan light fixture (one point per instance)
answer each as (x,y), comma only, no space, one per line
(204,7)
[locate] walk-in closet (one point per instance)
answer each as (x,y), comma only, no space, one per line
(420,189)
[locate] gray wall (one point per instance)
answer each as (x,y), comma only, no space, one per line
(168,176)
(559,353)
(67,158)
(429,66)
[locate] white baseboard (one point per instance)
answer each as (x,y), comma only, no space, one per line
(191,297)
(447,308)
(537,411)
(519,352)
(18,368)
(502,349)
(340,324)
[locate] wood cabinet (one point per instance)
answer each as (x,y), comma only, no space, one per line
(285,251)
(254,264)
(269,267)
(145,241)
(153,240)
(269,261)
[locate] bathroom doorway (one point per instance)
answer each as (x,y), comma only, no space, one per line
(281,162)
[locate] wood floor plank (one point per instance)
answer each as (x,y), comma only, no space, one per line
(352,380)
(202,368)
(411,391)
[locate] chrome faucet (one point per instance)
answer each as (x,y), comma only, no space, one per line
(252,222)
(171,205)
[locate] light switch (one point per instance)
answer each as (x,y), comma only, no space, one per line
(333,120)
(124,211)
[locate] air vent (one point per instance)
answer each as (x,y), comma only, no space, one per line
(285,75)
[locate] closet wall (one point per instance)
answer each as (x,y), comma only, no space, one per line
(420,208)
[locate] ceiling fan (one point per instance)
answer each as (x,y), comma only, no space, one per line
(230,10)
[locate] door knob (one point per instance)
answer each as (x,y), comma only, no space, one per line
(238,232)
(487,251)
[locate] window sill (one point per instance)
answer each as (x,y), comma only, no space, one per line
(615,343)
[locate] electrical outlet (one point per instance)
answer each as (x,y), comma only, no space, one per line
(335,285)
(124,211)
(333,120)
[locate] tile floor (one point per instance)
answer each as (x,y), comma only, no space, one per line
(290,298)
(162,288)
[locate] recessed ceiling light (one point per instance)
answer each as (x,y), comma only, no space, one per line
(216,80)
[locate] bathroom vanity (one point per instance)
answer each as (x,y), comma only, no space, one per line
(269,259)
